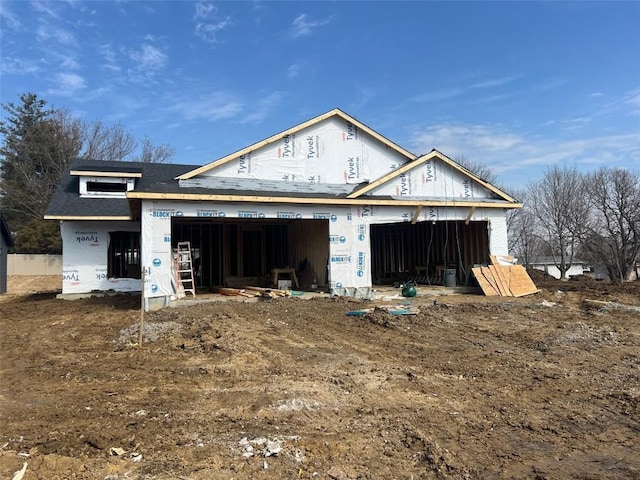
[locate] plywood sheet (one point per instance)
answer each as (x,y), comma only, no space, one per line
(486,284)
(521,283)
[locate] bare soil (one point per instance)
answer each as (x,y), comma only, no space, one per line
(545,386)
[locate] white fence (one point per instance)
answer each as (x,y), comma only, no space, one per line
(34,264)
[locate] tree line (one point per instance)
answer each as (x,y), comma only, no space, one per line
(37,144)
(570,215)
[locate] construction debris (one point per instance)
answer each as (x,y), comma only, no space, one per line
(503,280)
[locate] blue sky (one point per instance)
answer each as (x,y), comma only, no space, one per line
(515,85)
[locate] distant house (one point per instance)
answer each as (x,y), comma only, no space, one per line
(548,266)
(330,196)
(5,242)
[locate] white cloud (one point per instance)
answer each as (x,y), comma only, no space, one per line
(211,107)
(303,27)
(519,158)
(208,24)
(293,71)
(18,66)
(46,34)
(596,94)
(495,82)
(149,58)
(68,84)
(263,107)
(8,16)
(633,99)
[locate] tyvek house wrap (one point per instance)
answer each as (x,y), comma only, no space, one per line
(333,151)
(349,240)
(433,179)
(86,247)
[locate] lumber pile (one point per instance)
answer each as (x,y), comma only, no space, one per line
(504,279)
(251,292)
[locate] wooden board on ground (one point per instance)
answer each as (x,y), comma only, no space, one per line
(521,283)
(503,280)
(486,285)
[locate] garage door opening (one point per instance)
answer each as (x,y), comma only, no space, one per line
(425,252)
(236,253)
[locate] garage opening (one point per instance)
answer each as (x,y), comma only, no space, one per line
(236,253)
(425,252)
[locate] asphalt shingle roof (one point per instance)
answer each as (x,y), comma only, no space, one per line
(66,200)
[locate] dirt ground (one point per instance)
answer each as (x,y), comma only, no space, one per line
(545,386)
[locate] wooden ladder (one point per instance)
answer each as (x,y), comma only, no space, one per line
(185,268)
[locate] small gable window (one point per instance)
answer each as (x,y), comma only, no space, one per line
(106,187)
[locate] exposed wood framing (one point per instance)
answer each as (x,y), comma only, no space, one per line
(335,112)
(416,215)
(318,201)
(469,215)
(87,173)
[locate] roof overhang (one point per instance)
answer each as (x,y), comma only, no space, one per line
(199,197)
(89,173)
(88,217)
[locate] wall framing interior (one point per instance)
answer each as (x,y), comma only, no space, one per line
(421,251)
(239,252)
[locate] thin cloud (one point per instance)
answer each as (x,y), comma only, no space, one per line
(68,84)
(263,108)
(303,27)
(495,82)
(208,25)
(47,34)
(293,70)
(508,153)
(149,57)
(18,66)
(632,98)
(40,7)
(8,16)
(211,107)
(596,94)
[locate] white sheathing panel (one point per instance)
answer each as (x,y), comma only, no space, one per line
(85,255)
(433,179)
(333,151)
(349,235)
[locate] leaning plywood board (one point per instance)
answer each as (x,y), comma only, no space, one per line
(511,281)
(521,283)
(486,284)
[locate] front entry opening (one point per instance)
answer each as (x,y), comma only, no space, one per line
(425,251)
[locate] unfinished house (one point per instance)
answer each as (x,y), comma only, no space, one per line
(329,203)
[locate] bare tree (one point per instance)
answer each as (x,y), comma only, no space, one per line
(479,169)
(108,142)
(150,153)
(614,238)
(561,209)
(524,240)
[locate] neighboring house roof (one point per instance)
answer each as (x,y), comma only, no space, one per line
(336,112)
(552,261)
(66,202)
(6,233)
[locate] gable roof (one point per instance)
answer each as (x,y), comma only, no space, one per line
(5,232)
(421,160)
(66,203)
(336,112)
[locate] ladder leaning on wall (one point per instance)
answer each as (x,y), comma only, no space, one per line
(185,268)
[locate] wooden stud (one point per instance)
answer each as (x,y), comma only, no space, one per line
(416,215)
(469,215)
